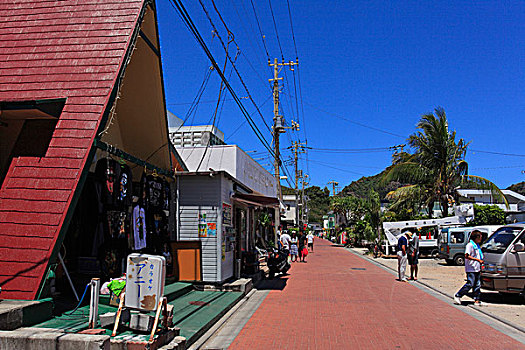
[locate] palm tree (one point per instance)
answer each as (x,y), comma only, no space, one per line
(438,168)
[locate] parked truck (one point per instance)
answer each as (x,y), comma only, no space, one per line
(428,243)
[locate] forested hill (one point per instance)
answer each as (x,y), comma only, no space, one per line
(519,187)
(361,188)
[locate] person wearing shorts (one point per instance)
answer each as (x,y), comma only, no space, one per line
(294,249)
(310,240)
(413,256)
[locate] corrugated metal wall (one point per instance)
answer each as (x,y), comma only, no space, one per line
(201,194)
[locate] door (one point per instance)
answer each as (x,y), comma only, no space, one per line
(516,267)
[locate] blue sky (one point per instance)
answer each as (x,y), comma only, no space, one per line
(368,70)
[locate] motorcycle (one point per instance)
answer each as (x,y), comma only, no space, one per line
(277,261)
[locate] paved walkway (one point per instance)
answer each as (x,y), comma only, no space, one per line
(340,301)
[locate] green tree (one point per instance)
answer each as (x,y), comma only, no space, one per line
(318,203)
(488,215)
(438,167)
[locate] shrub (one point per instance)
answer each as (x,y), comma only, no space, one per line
(488,215)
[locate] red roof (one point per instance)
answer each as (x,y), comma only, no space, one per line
(70,49)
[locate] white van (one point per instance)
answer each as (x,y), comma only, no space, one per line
(503,266)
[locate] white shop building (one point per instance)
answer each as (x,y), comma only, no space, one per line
(226,204)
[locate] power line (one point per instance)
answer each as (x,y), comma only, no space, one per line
(352,149)
(244,122)
(291,26)
(501,167)
(498,153)
(193,29)
(196,100)
(233,63)
(336,168)
(346,168)
(276,32)
(260,31)
(356,123)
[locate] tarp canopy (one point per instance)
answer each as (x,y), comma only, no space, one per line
(257,200)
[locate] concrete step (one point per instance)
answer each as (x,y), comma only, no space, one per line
(24,313)
(195,312)
(243,285)
(50,339)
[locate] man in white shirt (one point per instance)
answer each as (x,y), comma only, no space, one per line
(285,240)
(473,261)
(310,241)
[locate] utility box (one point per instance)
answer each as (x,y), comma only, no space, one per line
(145,278)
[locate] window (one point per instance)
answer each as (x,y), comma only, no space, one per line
(26,129)
(501,239)
(457,237)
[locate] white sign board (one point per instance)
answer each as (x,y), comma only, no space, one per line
(145,278)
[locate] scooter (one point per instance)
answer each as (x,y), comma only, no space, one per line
(277,261)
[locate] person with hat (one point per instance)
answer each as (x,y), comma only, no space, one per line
(402,248)
(413,256)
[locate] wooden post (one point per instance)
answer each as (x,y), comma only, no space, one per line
(160,306)
(119,312)
(165,313)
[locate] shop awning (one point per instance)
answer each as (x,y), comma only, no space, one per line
(257,200)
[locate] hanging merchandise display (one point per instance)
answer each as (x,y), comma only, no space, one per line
(119,217)
(116,182)
(155,198)
(139,227)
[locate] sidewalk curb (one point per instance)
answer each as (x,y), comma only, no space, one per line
(421,285)
(223,320)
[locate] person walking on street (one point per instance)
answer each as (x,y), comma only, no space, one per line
(294,251)
(473,261)
(285,240)
(302,246)
(402,244)
(413,256)
(310,240)
(303,251)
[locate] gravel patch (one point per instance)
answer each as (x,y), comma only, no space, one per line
(449,279)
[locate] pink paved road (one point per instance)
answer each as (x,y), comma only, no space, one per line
(328,305)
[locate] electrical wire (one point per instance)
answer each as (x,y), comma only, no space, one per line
(275,27)
(221,89)
(233,63)
(356,123)
(194,31)
(291,26)
(340,169)
(244,122)
(196,100)
(260,31)
(498,153)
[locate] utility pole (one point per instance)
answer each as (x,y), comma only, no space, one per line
(304,209)
(334,185)
(297,148)
(278,120)
(278,128)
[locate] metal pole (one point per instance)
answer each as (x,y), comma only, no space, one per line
(93,303)
(67,275)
